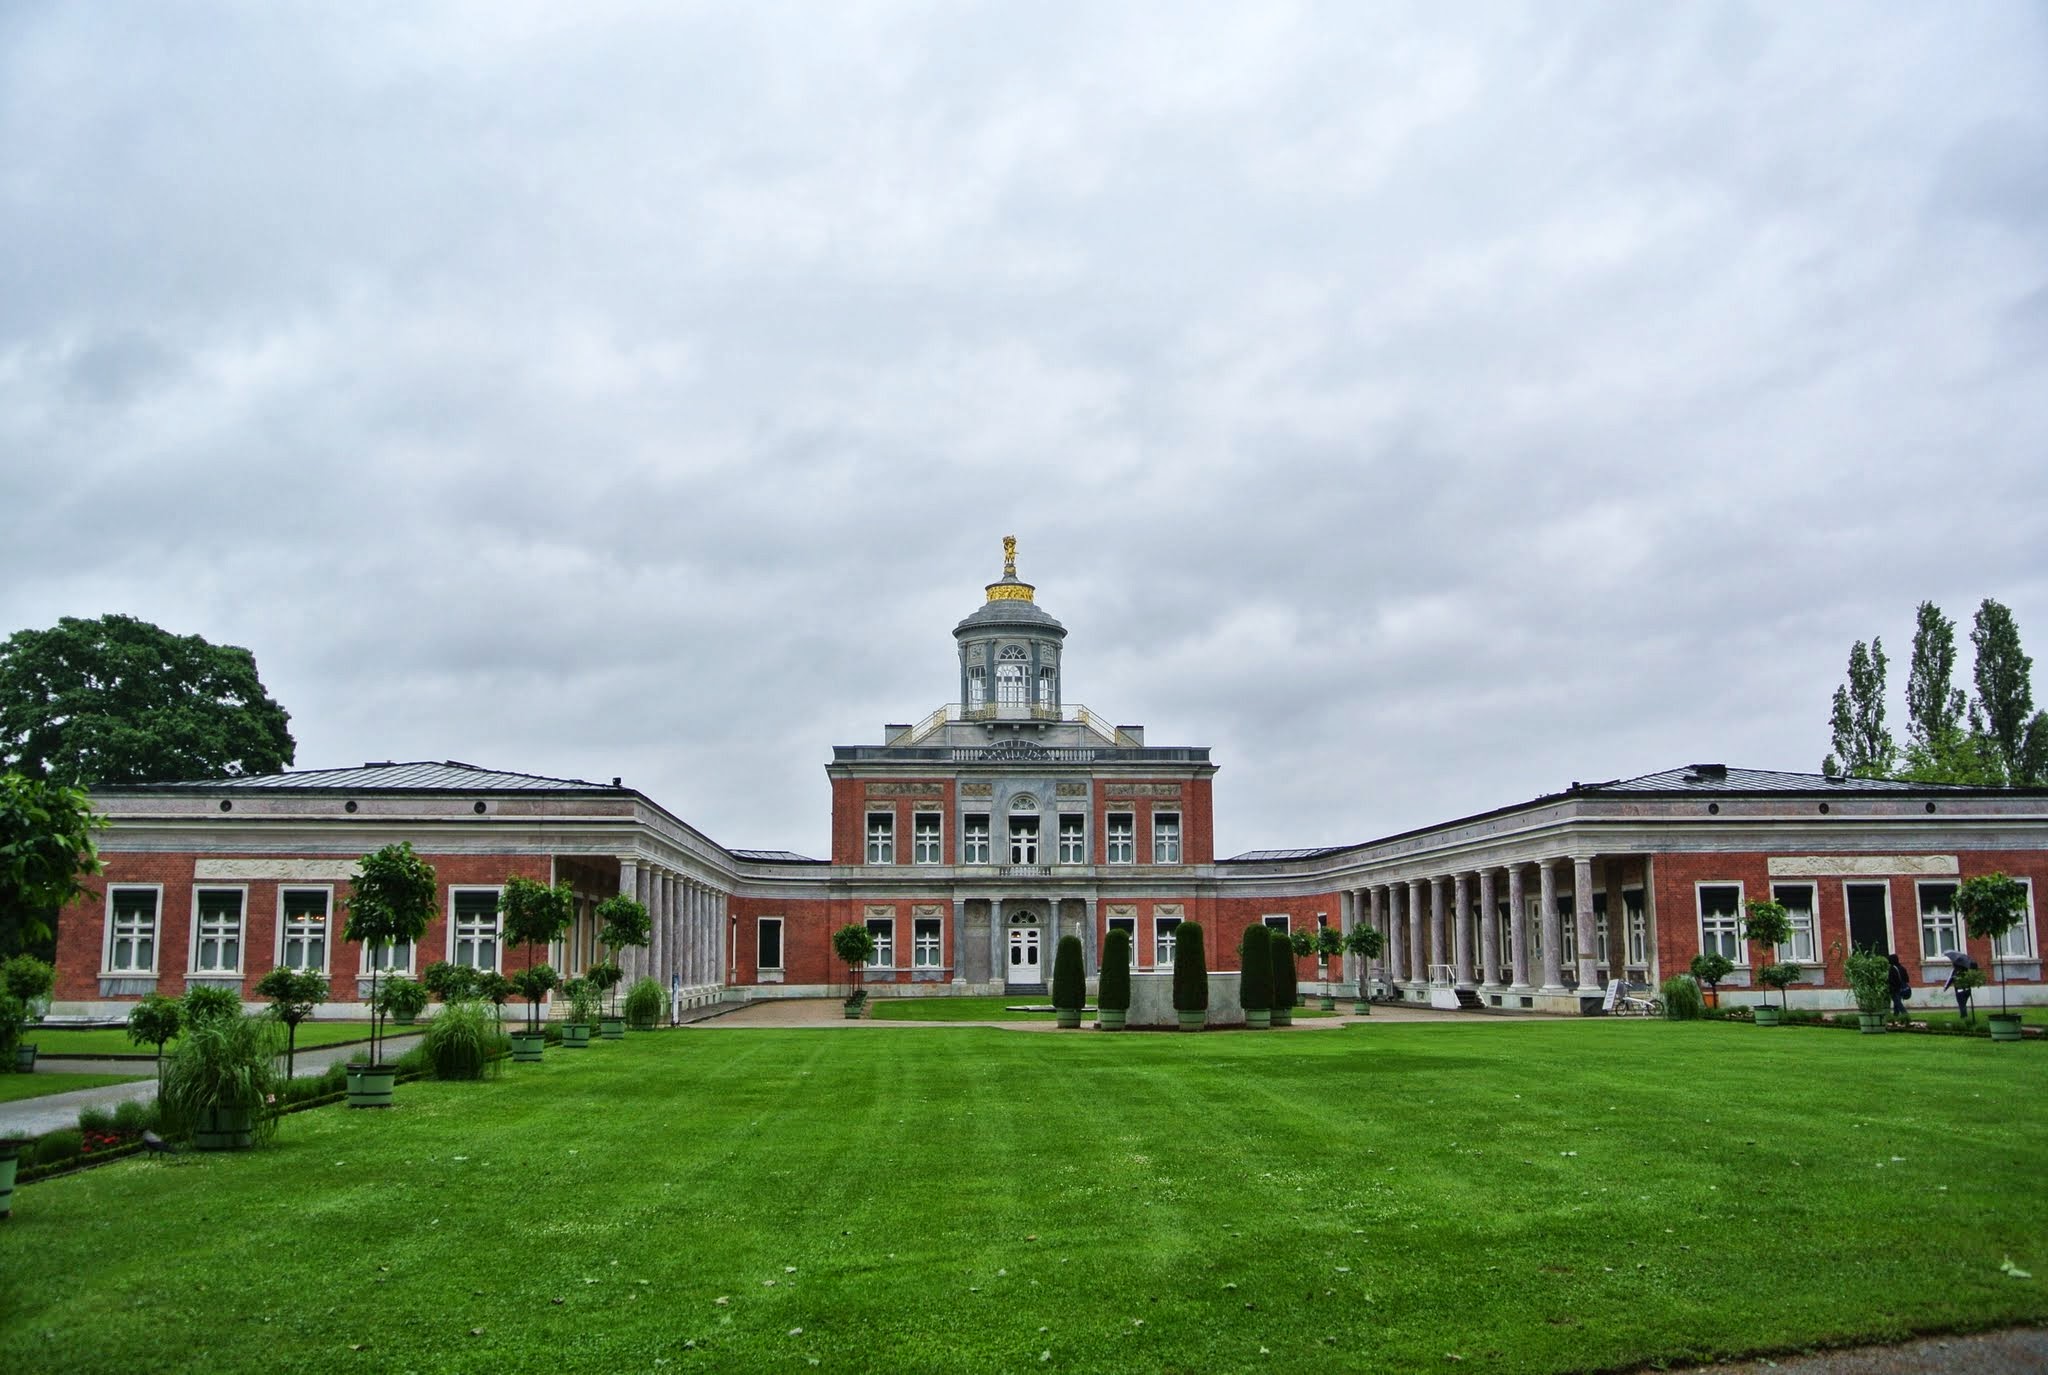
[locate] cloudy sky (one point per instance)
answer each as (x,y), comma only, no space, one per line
(1424,407)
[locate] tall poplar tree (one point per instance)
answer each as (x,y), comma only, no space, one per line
(1934,705)
(2005,696)
(1863,748)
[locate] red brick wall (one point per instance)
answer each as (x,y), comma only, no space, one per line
(850,808)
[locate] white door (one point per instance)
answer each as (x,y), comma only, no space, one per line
(1024,955)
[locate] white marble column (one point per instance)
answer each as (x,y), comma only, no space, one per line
(1091,953)
(999,973)
(1418,939)
(629,885)
(1461,929)
(1582,910)
(1397,945)
(1553,933)
(1439,937)
(950,952)
(1518,932)
(1489,932)
(1376,914)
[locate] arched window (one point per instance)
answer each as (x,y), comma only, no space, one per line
(1010,669)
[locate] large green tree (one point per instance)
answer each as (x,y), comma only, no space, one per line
(46,847)
(118,700)
(1863,747)
(2004,709)
(1934,705)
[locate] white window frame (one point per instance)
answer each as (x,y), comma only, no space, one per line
(1938,919)
(1023,837)
(1129,924)
(1636,915)
(927,844)
(198,938)
(1013,667)
(883,929)
(1166,837)
(761,967)
(1277,921)
(2017,945)
(457,935)
(1567,931)
(977,687)
(927,947)
(1163,929)
(113,936)
(1045,681)
(1122,847)
(1073,838)
(975,831)
(1728,927)
(1805,934)
(881,832)
(303,931)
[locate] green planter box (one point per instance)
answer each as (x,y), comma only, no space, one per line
(1870,1023)
(1327,1003)
(575,1036)
(1069,1017)
(611,1028)
(1283,1016)
(527,1046)
(369,1086)
(1112,1018)
(225,1129)
(2005,1026)
(25,1057)
(1766,1016)
(10,1156)
(1192,1021)
(1258,1019)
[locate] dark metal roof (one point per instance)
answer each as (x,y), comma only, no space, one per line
(1720,778)
(1269,856)
(419,776)
(774,857)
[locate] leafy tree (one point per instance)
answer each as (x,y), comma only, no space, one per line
(1710,968)
(624,922)
(293,995)
(25,984)
(118,700)
(392,900)
(1991,905)
(1934,705)
(46,846)
(855,946)
(535,915)
(2005,689)
(153,1021)
(1863,747)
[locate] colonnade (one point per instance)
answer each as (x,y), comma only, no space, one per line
(687,948)
(1442,929)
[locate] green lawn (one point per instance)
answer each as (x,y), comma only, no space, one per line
(114,1041)
(1528,1197)
(883,1008)
(15,1087)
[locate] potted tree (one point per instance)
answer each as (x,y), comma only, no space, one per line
(605,977)
(451,983)
(1069,982)
(644,1001)
(1708,969)
(1113,1001)
(1769,925)
(855,946)
(402,1000)
(1190,977)
(1870,982)
(535,914)
(221,1082)
(151,1022)
(25,984)
(293,995)
(1991,905)
(623,925)
(495,989)
(1286,989)
(582,1014)
(1366,942)
(391,899)
(1328,944)
(1255,977)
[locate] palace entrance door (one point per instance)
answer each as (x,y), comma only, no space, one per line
(1023,967)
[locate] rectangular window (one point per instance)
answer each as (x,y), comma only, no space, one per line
(1023,840)
(1798,902)
(1277,922)
(974,839)
(473,928)
(1123,838)
(217,931)
(924,839)
(1129,926)
(1941,930)
(1600,927)
(1721,922)
(395,958)
(1045,687)
(2018,943)
(1162,940)
(1567,933)
(977,688)
(1638,927)
(303,927)
(1073,838)
(927,948)
(768,945)
(881,837)
(131,930)
(883,929)
(1166,837)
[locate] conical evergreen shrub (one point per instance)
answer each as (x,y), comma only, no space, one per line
(1284,988)
(1255,977)
(1069,982)
(1190,969)
(1116,972)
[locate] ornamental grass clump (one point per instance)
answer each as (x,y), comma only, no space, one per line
(1255,977)
(1682,1001)
(644,1001)
(223,1076)
(465,1041)
(202,1003)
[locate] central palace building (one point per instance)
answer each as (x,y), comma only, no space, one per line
(968,842)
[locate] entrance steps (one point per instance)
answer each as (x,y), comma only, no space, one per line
(1470,1001)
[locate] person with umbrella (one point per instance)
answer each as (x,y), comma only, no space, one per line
(1959,964)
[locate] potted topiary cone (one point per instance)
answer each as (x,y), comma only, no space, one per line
(1113,1002)
(1366,942)
(1069,982)
(1991,905)
(391,899)
(1255,977)
(534,915)
(1286,990)
(1328,945)
(1769,925)
(1190,977)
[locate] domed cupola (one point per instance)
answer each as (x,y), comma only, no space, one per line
(1010,652)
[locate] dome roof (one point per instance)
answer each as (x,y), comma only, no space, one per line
(1010,604)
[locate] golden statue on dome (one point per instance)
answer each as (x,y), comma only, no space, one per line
(1010,589)
(1009,556)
